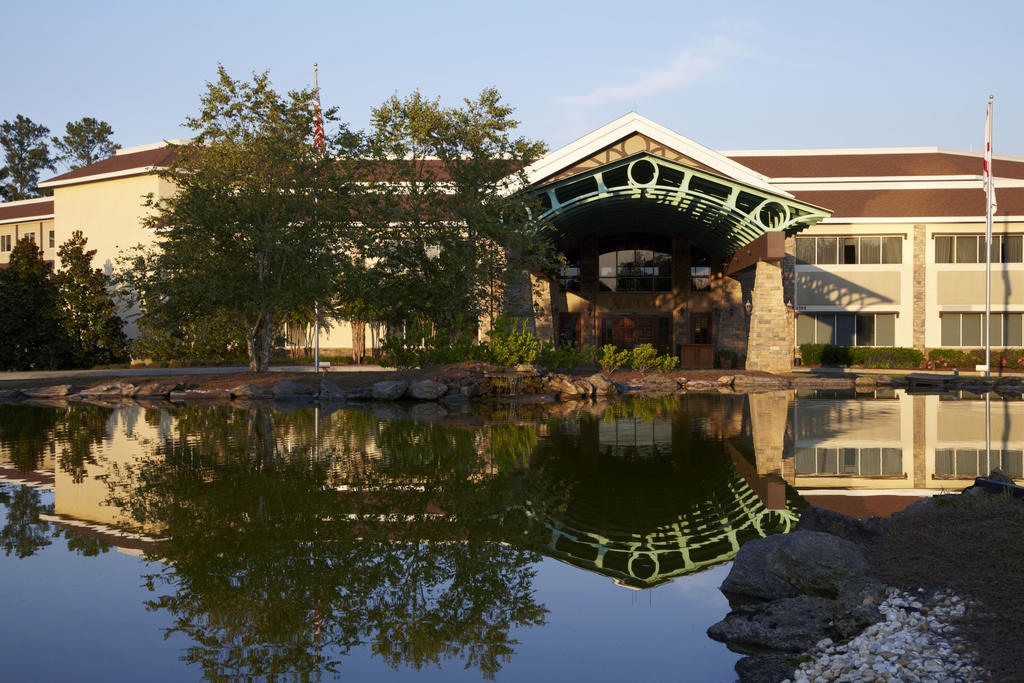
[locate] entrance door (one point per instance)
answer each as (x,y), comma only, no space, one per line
(628,332)
(569,329)
(700,352)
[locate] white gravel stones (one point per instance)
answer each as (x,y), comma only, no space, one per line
(914,643)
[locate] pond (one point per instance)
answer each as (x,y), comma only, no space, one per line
(495,541)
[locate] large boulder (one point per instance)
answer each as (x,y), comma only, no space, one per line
(52,391)
(814,518)
(568,388)
(602,385)
(659,384)
(804,562)
(426,390)
(330,392)
(389,390)
(109,390)
(156,389)
(767,668)
(787,625)
(255,391)
(287,390)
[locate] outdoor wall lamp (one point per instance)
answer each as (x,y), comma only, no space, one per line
(748,307)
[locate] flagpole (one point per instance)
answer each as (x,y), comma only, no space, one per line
(316,306)
(989,183)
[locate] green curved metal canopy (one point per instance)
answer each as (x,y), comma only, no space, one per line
(650,193)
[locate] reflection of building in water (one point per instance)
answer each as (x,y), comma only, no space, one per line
(646,499)
(910,445)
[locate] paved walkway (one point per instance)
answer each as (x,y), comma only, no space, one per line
(144,372)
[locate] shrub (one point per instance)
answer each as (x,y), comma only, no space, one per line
(611,359)
(835,355)
(885,357)
(511,344)
(811,353)
(419,344)
(968,358)
(643,357)
(551,357)
(667,363)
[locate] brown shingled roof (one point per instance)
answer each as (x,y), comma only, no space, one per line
(882,164)
(161,157)
(909,203)
(11,212)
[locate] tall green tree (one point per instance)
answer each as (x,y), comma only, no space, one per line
(448,227)
(259,215)
(33,336)
(26,153)
(85,142)
(85,308)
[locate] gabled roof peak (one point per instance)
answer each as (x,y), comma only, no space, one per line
(633,123)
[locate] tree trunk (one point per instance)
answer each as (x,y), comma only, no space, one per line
(358,341)
(259,339)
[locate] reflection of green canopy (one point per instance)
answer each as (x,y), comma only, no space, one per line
(646,192)
(644,532)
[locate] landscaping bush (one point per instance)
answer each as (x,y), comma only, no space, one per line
(861,356)
(551,357)
(811,353)
(643,357)
(420,345)
(611,359)
(1010,359)
(511,344)
(885,357)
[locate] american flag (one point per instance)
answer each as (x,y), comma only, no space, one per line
(318,119)
(989,186)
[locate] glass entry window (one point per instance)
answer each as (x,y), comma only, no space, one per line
(635,264)
(628,332)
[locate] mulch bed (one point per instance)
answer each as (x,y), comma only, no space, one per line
(974,547)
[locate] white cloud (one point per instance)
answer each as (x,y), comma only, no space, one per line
(686,69)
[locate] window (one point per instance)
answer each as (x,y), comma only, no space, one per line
(849,250)
(955,463)
(5,242)
(569,277)
(700,271)
(52,242)
(964,329)
(971,249)
(30,236)
(856,462)
(635,264)
(847,329)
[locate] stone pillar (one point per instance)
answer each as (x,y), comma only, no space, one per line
(770,341)
(544,313)
(588,291)
(920,247)
(680,292)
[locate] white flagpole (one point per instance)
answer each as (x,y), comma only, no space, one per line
(316,305)
(988,239)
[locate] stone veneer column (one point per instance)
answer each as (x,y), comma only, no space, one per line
(770,341)
(588,290)
(680,292)
(920,455)
(544,315)
(920,246)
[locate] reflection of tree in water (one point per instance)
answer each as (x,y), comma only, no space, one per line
(269,570)
(26,432)
(23,534)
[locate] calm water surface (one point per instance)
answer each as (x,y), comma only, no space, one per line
(502,542)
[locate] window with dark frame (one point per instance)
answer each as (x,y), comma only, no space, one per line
(971,249)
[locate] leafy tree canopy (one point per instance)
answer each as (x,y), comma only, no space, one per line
(33,337)
(85,142)
(86,309)
(260,214)
(447,228)
(27,153)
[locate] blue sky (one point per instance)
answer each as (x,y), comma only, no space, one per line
(730,75)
